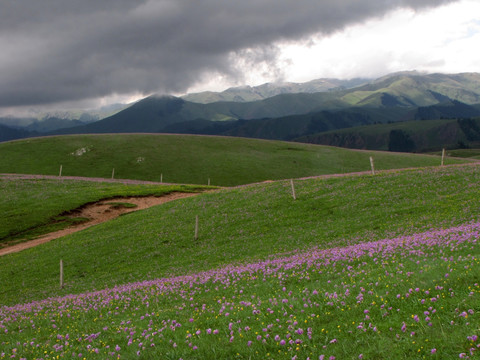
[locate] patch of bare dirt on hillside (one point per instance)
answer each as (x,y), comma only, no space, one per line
(97,213)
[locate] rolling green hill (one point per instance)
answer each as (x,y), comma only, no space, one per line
(190,159)
(465,153)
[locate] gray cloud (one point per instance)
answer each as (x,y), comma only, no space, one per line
(56,50)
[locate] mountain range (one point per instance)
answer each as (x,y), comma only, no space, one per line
(299,112)
(265,91)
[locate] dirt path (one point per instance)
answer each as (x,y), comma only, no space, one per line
(98,212)
(92,179)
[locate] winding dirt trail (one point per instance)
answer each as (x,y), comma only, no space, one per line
(98,212)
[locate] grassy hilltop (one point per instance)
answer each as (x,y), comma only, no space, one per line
(192,159)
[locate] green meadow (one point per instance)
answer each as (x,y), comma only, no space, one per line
(243,224)
(190,159)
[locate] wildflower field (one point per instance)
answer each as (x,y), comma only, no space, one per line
(372,267)
(409,297)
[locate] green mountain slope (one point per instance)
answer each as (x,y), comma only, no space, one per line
(409,136)
(394,92)
(417,89)
(7,133)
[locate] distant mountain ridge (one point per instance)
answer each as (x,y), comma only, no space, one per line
(396,97)
(395,92)
(265,91)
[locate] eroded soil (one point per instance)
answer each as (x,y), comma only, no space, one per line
(97,213)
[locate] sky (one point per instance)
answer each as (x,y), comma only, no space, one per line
(58,54)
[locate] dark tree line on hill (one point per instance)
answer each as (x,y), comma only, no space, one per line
(400,141)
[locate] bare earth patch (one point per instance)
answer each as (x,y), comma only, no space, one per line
(97,213)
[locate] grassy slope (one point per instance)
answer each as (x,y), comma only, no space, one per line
(29,204)
(407,298)
(190,159)
(243,224)
(465,153)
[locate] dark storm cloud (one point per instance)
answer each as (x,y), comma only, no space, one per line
(57,50)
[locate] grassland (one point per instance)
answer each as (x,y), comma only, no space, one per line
(412,297)
(244,224)
(191,159)
(33,207)
(354,268)
(465,153)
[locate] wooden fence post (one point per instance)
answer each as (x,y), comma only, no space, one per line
(196,227)
(293,190)
(443,157)
(61,274)
(372,165)
(60,173)
(113,173)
